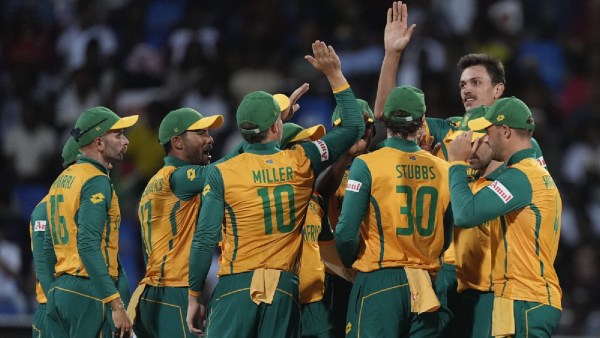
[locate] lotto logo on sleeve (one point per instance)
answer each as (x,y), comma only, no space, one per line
(501,191)
(322,150)
(206,190)
(97,198)
(39,226)
(353,185)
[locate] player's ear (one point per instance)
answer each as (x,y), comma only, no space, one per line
(498,90)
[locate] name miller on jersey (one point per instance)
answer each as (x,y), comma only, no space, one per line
(415,172)
(273,175)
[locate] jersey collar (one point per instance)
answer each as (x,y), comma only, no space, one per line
(408,146)
(262,148)
(174,161)
(520,156)
(83,159)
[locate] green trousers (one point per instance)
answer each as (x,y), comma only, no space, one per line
(161,312)
(379,307)
(74,309)
(316,321)
(473,318)
(38,326)
(232,313)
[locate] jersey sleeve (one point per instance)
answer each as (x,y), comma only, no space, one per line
(330,147)
(96,195)
(123,284)
(49,254)
(188,181)
(510,191)
(354,207)
(538,153)
(208,230)
(38,226)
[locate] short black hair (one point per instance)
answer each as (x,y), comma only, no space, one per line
(252,137)
(403,130)
(492,65)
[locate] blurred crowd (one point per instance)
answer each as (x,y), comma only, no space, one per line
(147,57)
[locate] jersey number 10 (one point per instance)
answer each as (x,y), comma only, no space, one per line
(280,208)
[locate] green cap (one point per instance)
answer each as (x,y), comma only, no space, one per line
(69,152)
(261,109)
(181,120)
(336,120)
(293,132)
(404,98)
(463,125)
(96,121)
(508,111)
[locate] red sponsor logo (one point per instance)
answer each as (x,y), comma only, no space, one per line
(353,185)
(501,191)
(541,161)
(322,150)
(39,226)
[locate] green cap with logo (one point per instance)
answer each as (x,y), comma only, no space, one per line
(96,121)
(181,120)
(404,98)
(336,120)
(69,152)
(293,133)
(508,111)
(260,109)
(463,125)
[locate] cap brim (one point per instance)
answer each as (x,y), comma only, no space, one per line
(214,121)
(125,122)
(282,100)
(457,133)
(313,133)
(479,124)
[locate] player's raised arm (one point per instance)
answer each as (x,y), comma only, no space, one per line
(327,150)
(396,36)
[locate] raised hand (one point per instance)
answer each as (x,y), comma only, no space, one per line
(397,33)
(327,62)
(294,106)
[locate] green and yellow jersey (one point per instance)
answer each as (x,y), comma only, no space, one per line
(439,130)
(84,219)
(334,208)
(37,229)
(260,198)
(400,193)
(525,244)
(312,269)
(473,251)
(168,212)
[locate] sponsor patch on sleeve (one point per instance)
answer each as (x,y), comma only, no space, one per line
(39,226)
(353,185)
(322,146)
(501,191)
(541,161)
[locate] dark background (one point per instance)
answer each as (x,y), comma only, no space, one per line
(148,57)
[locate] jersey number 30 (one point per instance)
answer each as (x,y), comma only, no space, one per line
(414,213)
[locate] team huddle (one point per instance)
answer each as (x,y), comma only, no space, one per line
(447,228)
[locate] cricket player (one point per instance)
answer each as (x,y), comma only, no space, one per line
(81,243)
(259,200)
(524,243)
(168,212)
(315,314)
(482,82)
(395,221)
(37,229)
(332,187)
